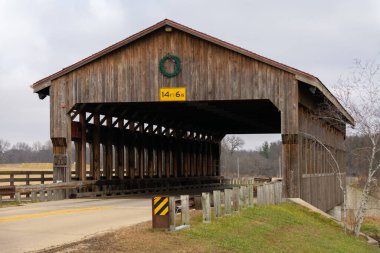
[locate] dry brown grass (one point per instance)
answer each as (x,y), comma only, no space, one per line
(138,238)
(27,167)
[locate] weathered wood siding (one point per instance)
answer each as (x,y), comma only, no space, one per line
(209,72)
(319,182)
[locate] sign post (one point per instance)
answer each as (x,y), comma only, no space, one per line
(160,212)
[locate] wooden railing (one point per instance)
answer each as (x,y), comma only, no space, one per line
(25,177)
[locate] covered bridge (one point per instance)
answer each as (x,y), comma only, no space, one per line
(156,105)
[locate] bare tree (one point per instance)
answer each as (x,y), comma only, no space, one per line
(4,145)
(360,95)
(233,143)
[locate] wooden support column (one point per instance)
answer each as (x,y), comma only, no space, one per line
(78,158)
(199,158)
(167,157)
(193,158)
(96,147)
(204,158)
(150,151)
(159,153)
(60,163)
(290,164)
(109,149)
(217,160)
(120,150)
(186,158)
(142,152)
(82,120)
(209,159)
(174,149)
(131,150)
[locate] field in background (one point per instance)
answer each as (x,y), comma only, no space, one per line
(27,166)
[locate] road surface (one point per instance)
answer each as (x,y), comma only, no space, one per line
(43,225)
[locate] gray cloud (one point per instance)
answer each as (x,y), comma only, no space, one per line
(41,37)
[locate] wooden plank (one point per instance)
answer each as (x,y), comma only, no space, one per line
(96,147)
(82,120)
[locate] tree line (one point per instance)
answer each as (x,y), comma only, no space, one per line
(22,152)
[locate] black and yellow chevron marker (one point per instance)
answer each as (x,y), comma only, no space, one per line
(160,205)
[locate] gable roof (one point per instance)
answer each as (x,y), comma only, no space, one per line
(299,75)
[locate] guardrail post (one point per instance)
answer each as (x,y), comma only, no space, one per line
(1,199)
(49,195)
(34,196)
(172,211)
(227,201)
(235,199)
(198,202)
(42,195)
(18,197)
(241,197)
(217,204)
(206,209)
(250,195)
(185,215)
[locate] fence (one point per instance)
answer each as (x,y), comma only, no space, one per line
(270,193)
(232,200)
(25,177)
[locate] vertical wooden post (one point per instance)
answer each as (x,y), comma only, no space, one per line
(236,199)
(172,216)
(91,150)
(96,147)
(204,158)
(227,201)
(159,159)
(142,152)
(42,195)
(185,213)
(78,158)
(250,195)
(108,156)
(131,152)
(82,120)
(167,159)
(120,150)
(206,209)
(290,165)
(18,197)
(174,151)
(199,157)
(217,204)
(241,197)
(34,196)
(186,158)
(209,159)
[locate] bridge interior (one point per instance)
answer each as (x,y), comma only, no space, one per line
(146,140)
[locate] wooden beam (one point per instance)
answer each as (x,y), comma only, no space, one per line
(109,161)
(120,150)
(96,147)
(82,121)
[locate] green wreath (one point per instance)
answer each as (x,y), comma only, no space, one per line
(177,62)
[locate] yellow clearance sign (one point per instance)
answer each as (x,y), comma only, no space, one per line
(173,94)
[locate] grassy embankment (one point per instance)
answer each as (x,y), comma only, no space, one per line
(283,228)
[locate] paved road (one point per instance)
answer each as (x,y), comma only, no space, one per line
(41,225)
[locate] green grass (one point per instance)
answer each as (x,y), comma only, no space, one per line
(282,228)
(371,227)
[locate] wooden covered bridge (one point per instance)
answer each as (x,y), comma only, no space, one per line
(157,105)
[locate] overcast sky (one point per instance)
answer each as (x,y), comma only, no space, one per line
(40,37)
